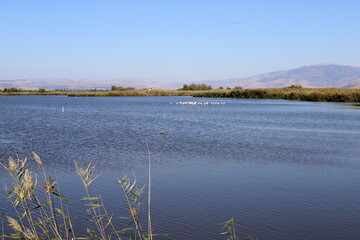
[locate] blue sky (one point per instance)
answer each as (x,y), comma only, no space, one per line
(173,39)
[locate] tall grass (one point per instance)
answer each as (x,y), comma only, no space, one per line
(114,93)
(300,94)
(37,217)
(41,210)
(291,93)
(25,92)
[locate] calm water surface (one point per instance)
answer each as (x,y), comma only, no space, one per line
(282,169)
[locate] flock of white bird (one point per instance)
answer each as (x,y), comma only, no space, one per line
(198,103)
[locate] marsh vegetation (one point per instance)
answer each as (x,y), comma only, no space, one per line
(40,211)
(291,93)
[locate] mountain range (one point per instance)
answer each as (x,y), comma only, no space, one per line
(313,76)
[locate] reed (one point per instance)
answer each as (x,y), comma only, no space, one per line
(229,229)
(131,93)
(299,94)
(290,93)
(37,216)
(112,93)
(41,212)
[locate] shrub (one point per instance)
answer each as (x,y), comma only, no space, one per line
(295,86)
(12,90)
(196,87)
(120,88)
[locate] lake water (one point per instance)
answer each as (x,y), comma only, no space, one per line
(281,169)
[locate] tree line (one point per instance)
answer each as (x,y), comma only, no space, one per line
(120,88)
(202,87)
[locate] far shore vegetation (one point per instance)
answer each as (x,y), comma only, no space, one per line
(293,92)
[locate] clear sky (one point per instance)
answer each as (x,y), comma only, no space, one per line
(173,39)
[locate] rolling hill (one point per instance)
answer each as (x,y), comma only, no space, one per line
(314,76)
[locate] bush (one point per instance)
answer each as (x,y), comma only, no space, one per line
(195,87)
(12,90)
(120,88)
(295,86)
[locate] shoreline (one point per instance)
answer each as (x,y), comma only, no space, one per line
(298,94)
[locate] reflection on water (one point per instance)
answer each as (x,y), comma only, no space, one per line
(282,169)
(354,104)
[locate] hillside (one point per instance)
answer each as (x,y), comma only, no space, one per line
(314,76)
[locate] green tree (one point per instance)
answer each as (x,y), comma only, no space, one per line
(12,90)
(295,86)
(196,87)
(238,87)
